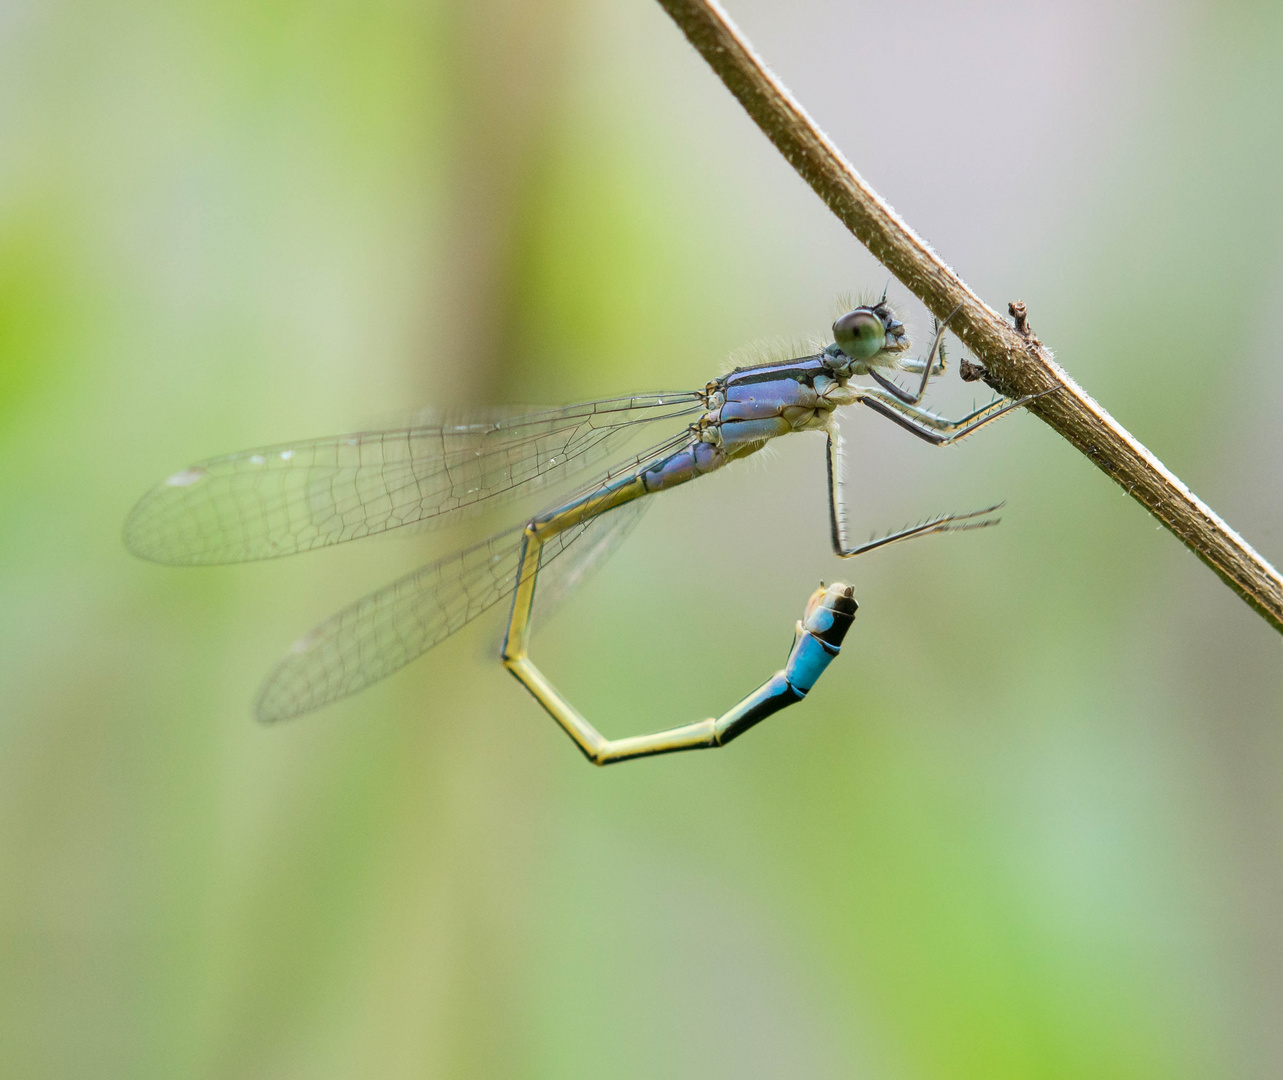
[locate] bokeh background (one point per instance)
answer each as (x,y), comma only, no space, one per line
(1030,824)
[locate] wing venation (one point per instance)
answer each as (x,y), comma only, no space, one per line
(279,500)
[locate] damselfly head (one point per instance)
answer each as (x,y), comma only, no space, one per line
(870,335)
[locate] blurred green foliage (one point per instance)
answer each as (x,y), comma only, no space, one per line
(1028,825)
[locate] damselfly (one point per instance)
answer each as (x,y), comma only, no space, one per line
(278,500)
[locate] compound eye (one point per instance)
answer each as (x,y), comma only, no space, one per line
(860,334)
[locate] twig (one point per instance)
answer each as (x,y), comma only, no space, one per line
(1015,363)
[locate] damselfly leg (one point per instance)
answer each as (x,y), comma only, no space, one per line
(937,346)
(974,519)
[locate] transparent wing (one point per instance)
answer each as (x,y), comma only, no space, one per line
(384,631)
(278,500)
(372,638)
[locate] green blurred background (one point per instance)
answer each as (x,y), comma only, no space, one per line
(1028,826)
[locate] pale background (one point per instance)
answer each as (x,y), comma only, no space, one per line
(1029,825)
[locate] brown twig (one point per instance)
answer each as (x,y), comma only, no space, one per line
(1015,363)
